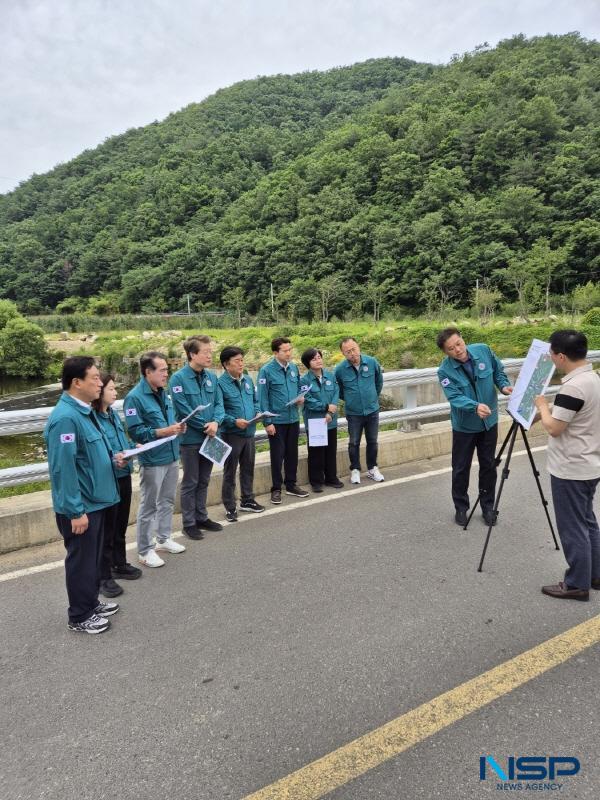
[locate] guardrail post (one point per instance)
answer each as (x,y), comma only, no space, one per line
(410,401)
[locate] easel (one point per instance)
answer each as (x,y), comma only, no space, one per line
(510,441)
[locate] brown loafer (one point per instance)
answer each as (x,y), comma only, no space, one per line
(562,591)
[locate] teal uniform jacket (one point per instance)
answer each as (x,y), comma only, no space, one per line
(276,387)
(360,388)
(320,395)
(465,395)
(190,389)
(113,429)
(145,412)
(82,476)
(239,402)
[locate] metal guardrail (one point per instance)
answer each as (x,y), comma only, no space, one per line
(34,420)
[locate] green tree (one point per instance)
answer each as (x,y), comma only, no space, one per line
(8,311)
(23,351)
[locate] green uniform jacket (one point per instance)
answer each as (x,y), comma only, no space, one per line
(465,395)
(117,438)
(360,388)
(79,460)
(190,389)
(320,395)
(239,402)
(276,387)
(145,412)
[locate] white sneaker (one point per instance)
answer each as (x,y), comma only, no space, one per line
(169,546)
(151,559)
(355,476)
(375,475)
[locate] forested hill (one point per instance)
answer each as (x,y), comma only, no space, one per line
(409,177)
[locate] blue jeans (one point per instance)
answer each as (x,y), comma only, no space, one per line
(578,529)
(356,425)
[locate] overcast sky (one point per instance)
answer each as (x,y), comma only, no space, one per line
(73,72)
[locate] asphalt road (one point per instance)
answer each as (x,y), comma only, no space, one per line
(290,634)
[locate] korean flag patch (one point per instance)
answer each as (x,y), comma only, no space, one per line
(131,412)
(327,383)
(365,369)
(446,382)
(262,380)
(481,365)
(65,438)
(177,389)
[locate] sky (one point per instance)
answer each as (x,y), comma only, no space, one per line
(74,72)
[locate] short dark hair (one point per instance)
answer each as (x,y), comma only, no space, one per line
(75,367)
(347,339)
(276,343)
(105,378)
(308,355)
(230,352)
(571,343)
(192,344)
(147,361)
(444,335)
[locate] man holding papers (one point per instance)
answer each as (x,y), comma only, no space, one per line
(320,406)
(149,415)
(279,392)
(240,408)
(192,386)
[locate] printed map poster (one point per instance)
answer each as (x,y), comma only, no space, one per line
(533,379)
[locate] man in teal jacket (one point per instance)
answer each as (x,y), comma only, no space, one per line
(149,416)
(360,379)
(469,376)
(279,393)
(84,486)
(240,405)
(192,386)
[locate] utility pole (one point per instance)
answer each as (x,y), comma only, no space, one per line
(188,304)
(272,303)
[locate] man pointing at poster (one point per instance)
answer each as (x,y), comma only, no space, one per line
(469,376)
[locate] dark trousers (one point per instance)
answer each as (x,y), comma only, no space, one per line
(322,461)
(463,447)
(115,529)
(243,450)
(356,425)
(82,564)
(284,452)
(194,485)
(578,529)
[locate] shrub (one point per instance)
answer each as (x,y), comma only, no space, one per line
(8,311)
(592,317)
(23,350)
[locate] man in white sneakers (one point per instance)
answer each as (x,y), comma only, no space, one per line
(149,416)
(360,379)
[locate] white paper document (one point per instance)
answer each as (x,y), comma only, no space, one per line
(300,396)
(262,415)
(215,449)
(317,432)
(533,379)
(194,412)
(136,451)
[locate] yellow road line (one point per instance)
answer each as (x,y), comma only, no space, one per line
(358,757)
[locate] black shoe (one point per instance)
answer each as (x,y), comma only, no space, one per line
(461,518)
(231,516)
(126,572)
(276,496)
(595,583)
(110,588)
(316,487)
(209,525)
(489,517)
(251,505)
(337,483)
(296,491)
(193,533)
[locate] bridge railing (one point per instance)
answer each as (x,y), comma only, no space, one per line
(33,420)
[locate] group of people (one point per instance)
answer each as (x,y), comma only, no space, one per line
(168,421)
(90,470)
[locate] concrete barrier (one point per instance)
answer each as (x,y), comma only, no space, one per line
(27,520)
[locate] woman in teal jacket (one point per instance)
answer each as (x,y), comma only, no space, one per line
(114,560)
(321,400)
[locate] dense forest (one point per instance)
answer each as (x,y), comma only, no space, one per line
(389,181)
